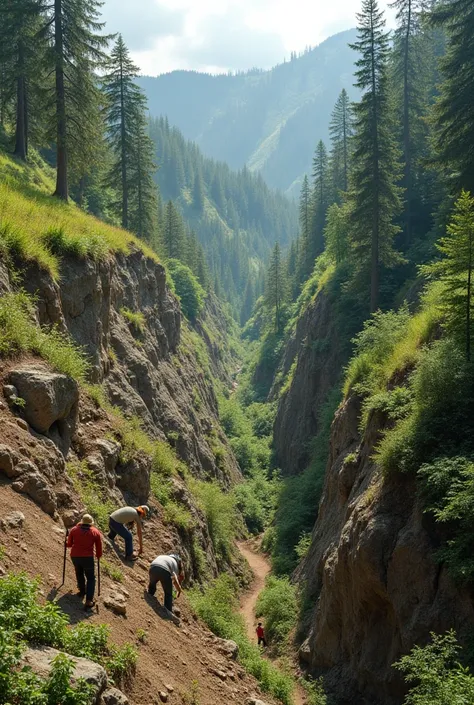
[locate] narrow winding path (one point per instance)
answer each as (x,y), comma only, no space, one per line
(260,568)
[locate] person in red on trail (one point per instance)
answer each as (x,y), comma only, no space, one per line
(82,540)
(261,635)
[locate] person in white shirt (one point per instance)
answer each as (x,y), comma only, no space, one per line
(118,521)
(167,570)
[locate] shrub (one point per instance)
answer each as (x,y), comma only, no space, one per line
(448,488)
(441,419)
(302,547)
(278,605)
(435,674)
(190,292)
(122,663)
(19,334)
(110,570)
(135,319)
(220,511)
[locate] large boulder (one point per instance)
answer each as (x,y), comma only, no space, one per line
(40,658)
(50,402)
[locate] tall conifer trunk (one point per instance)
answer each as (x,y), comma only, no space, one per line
(406,128)
(123,135)
(374,266)
(61,143)
(20,132)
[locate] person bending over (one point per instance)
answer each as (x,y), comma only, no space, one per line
(168,570)
(118,521)
(82,540)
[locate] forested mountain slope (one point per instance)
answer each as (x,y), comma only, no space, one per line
(235,215)
(268,120)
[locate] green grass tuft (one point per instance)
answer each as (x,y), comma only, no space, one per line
(20,334)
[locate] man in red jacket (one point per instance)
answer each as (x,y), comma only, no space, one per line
(81,540)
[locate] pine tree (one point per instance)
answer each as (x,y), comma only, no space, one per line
(248,302)
(453,112)
(142,188)
(173,233)
(409,56)
(374,195)
(341,130)
(198,191)
(76,51)
(275,288)
(455,269)
(124,115)
(21,55)
(336,232)
(320,200)
(305,215)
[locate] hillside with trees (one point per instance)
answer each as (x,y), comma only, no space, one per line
(334,430)
(266,120)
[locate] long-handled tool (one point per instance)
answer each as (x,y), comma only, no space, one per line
(64,561)
(98,577)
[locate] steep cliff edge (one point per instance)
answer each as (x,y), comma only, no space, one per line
(313,357)
(373,582)
(371,570)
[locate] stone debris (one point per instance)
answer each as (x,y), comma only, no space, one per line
(163,696)
(116,602)
(14,520)
(112,696)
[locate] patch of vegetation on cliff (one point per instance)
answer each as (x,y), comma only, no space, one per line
(40,228)
(436,674)
(19,334)
(299,498)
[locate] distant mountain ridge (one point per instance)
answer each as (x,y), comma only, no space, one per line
(267,120)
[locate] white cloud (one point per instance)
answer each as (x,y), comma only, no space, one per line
(219,35)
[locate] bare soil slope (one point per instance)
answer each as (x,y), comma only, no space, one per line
(172,655)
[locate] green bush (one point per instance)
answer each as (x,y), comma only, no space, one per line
(190,292)
(221,515)
(218,607)
(435,674)
(135,319)
(278,605)
(441,418)
(19,334)
(448,490)
(20,686)
(23,619)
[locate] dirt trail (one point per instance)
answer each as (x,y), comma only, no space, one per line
(260,568)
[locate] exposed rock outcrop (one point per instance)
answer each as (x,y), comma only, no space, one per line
(318,352)
(372,572)
(49,402)
(152,372)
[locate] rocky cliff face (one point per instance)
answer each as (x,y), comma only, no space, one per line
(371,572)
(315,351)
(150,368)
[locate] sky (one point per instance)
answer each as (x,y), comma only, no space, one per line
(221,35)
